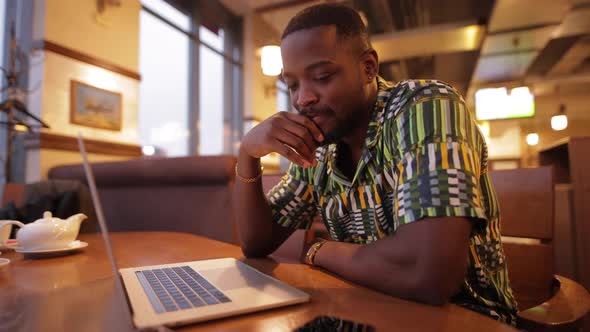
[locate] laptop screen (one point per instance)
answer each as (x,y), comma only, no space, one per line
(119,290)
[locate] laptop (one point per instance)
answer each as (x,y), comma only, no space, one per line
(190,292)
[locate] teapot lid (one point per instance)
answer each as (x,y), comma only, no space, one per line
(48,217)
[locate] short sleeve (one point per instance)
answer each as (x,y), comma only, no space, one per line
(438,154)
(291,200)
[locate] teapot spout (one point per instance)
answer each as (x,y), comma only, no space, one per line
(75,221)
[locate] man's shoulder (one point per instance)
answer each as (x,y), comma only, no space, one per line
(410,92)
(415,87)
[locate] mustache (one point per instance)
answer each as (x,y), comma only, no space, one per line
(308,112)
(311,112)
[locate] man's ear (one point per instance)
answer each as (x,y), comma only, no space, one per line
(370,64)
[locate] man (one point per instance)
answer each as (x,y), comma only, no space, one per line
(397,173)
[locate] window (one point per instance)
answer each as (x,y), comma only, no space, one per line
(283,99)
(2,27)
(188,94)
(211,133)
(283,105)
(2,83)
(164,87)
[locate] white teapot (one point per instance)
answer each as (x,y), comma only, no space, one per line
(49,233)
(5,228)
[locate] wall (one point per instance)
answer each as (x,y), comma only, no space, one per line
(260,96)
(55,97)
(260,99)
(578,112)
(508,137)
(504,139)
(111,37)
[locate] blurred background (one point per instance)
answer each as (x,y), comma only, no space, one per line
(148,80)
(168,78)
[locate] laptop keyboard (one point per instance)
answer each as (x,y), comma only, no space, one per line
(178,288)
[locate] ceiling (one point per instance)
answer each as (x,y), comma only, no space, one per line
(544,44)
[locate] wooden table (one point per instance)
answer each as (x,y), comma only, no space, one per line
(76,292)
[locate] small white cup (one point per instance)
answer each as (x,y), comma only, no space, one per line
(5,228)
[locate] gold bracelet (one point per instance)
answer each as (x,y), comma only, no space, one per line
(313,250)
(248,180)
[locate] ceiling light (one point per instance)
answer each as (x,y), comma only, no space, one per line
(532,139)
(271,61)
(497,103)
(20,127)
(559,120)
(148,150)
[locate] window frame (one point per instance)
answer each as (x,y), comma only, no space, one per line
(232,60)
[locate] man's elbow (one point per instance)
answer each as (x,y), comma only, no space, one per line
(438,288)
(250,251)
(434,296)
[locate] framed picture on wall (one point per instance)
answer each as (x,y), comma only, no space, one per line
(95,107)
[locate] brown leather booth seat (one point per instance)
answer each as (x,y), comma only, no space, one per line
(188,194)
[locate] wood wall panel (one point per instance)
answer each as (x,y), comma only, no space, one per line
(69,143)
(526,201)
(86,58)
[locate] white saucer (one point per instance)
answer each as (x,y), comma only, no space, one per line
(75,245)
(4,262)
(8,246)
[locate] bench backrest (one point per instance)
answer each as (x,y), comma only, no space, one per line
(526,199)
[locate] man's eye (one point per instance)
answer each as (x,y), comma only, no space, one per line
(323,77)
(292,87)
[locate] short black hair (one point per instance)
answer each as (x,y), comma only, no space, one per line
(347,21)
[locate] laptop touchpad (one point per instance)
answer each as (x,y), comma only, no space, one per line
(235,277)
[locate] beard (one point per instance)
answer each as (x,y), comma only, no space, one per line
(331,134)
(341,122)
(336,133)
(338,128)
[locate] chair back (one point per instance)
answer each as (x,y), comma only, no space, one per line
(13,192)
(186,194)
(526,200)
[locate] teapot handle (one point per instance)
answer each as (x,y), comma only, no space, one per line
(11,222)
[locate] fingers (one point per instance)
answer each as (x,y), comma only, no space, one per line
(297,133)
(306,123)
(303,136)
(304,148)
(292,135)
(290,154)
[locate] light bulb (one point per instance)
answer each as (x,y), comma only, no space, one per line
(20,127)
(148,150)
(532,139)
(271,61)
(559,122)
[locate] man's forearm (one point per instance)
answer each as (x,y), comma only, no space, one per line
(259,236)
(424,261)
(363,264)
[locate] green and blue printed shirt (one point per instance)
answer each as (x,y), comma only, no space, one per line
(423,157)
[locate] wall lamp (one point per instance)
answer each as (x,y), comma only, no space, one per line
(271,61)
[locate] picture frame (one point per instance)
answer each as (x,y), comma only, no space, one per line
(95,107)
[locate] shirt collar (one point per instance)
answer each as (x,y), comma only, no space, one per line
(373,133)
(374,129)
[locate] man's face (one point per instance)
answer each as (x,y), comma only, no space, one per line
(325,80)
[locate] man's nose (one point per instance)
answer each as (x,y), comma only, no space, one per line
(306,98)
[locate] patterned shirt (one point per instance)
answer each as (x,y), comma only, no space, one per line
(423,157)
